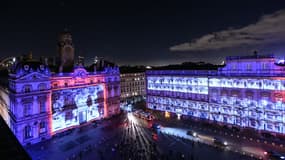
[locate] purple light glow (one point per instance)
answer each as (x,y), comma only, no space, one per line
(246,93)
(71,107)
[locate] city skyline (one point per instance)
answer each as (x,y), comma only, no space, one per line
(144,32)
(143,80)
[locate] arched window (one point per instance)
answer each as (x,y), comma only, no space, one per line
(27,132)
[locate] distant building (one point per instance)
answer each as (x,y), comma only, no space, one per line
(248,92)
(132,86)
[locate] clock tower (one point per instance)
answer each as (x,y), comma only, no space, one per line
(66,51)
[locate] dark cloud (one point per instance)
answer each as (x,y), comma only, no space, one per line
(269,29)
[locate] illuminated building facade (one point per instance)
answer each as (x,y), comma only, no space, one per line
(132,85)
(82,96)
(37,103)
(248,92)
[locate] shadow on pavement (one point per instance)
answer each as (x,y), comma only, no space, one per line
(67,146)
(82,139)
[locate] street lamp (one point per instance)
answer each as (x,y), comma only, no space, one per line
(167,114)
(178,116)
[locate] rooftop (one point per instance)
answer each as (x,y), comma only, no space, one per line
(189,66)
(255,56)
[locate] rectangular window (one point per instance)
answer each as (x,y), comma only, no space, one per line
(28,132)
(234,67)
(264,66)
(27,109)
(42,87)
(27,89)
(42,106)
(42,127)
(248,67)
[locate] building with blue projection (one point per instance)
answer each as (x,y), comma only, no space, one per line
(248,91)
(38,103)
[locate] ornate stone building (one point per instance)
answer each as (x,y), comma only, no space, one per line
(37,103)
(248,92)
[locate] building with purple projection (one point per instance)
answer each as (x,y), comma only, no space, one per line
(248,92)
(38,103)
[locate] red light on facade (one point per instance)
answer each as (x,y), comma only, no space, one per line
(105,101)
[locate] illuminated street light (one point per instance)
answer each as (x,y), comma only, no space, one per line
(178,116)
(167,114)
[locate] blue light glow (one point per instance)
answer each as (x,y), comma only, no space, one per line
(246,101)
(72,107)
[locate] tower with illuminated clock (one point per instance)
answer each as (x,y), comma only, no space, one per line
(66,51)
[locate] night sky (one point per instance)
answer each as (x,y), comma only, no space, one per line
(145,32)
